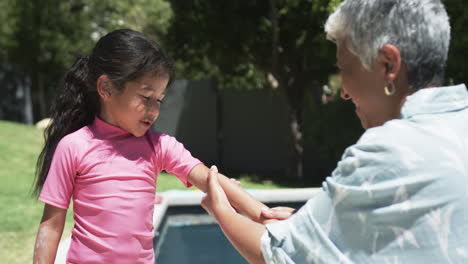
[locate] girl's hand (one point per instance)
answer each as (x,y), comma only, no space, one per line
(215,199)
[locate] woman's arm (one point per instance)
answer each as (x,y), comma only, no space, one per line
(238,197)
(49,234)
(243,233)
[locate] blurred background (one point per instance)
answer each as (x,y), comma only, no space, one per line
(256,91)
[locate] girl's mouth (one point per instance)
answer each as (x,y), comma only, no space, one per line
(147,123)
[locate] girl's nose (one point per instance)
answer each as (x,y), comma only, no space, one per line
(344,95)
(152,106)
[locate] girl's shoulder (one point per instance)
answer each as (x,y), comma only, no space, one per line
(155,133)
(77,139)
(162,140)
(157,136)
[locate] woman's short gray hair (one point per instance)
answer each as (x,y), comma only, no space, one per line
(420,29)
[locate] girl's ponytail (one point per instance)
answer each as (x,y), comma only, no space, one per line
(74,107)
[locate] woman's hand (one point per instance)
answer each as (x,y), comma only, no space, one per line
(277,213)
(158,199)
(235,181)
(241,231)
(215,199)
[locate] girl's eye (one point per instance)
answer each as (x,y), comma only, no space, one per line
(160,101)
(145,97)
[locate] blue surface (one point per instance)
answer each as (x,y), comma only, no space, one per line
(204,243)
(188,235)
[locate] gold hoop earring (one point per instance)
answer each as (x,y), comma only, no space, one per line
(390,91)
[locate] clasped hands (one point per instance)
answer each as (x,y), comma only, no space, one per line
(215,201)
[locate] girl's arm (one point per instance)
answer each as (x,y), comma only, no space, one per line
(242,232)
(49,234)
(238,197)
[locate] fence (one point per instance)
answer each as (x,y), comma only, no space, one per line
(239,131)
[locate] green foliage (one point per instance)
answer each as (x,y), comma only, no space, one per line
(457,68)
(278,44)
(47,30)
(5,27)
(149,16)
(328,130)
(333,4)
(42,38)
(207,40)
(239,44)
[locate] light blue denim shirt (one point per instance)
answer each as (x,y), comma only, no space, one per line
(399,195)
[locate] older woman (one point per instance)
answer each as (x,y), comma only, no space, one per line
(400,194)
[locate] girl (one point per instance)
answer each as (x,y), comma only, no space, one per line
(100,151)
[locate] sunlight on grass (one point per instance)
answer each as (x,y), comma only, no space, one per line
(21,213)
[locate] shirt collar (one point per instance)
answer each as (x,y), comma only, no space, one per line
(435,100)
(106,130)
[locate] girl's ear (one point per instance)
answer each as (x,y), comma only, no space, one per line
(391,57)
(104,87)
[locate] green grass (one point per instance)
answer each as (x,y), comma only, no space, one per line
(20,213)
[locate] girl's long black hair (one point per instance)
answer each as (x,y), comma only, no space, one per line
(122,55)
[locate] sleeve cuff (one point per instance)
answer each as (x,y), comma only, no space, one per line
(265,243)
(53,203)
(185,180)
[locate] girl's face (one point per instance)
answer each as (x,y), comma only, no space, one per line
(137,105)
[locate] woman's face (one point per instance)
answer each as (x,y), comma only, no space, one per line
(365,88)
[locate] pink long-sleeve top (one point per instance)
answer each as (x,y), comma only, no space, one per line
(111,176)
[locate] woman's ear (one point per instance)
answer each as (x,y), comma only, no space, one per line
(104,87)
(390,56)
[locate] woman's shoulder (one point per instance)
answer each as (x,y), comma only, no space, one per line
(383,153)
(396,143)
(391,142)
(396,131)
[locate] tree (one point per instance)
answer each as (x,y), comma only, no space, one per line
(276,44)
(46,36)
(457,68)
(43,37)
